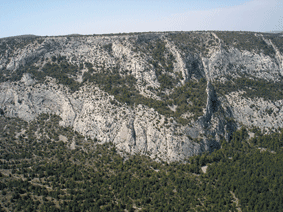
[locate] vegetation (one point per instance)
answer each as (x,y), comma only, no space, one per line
(58,68)
(62,71)
(199,42)
(272,142)
(161,59)
(193,42)
(188,98)
(121,84)
(12,43)
(108,48)
(277,40)
(253,175)
(253,88)
(38,172)
(246,41)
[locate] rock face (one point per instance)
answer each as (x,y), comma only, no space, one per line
(160,65)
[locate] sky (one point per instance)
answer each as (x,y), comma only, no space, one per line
(63,17)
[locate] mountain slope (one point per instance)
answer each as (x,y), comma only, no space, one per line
(47,167)
(167,95)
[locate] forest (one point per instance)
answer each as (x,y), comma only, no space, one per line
(40,172)
(253,88)
(47,167)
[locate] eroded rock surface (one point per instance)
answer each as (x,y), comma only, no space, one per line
(150,59)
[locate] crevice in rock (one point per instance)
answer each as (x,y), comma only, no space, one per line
(1,112)
(211,105)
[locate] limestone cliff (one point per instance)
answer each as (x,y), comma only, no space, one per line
(168,95)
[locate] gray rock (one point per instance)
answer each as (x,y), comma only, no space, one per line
(140,129)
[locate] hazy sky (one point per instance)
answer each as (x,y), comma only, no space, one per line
(63,17)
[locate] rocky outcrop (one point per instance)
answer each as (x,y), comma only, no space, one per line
(90,111)
(139,129)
